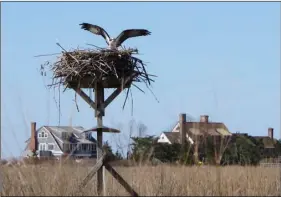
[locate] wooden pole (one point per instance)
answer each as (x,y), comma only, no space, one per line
(99,105)
(99,113)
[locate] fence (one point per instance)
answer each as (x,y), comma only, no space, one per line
(271,162)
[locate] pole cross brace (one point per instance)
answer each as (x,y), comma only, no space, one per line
(101,107)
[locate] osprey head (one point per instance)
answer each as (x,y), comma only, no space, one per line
(112,43)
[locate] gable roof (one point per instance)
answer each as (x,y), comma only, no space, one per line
(267,141)
(173,137)
(202,128)
(75,134)
(210,128)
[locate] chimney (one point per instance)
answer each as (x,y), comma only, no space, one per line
(182,120)
(204,118)
(270,132)
(33,137)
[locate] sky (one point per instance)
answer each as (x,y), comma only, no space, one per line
(218,58)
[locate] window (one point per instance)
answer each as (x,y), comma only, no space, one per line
(84,147)
(42,147)
(74,147)
(43,135)
(93,147)
(89,147)
(51,146)
(77,147)
(70,147)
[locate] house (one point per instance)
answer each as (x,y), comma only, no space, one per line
(269,143)
(60,140)
(196,132)
(195,129)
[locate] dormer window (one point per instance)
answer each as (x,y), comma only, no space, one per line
(43,135)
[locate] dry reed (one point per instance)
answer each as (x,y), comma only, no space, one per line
(46,179)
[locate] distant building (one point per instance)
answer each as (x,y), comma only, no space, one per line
(195,132)
(193,129)
(60,140)
(269,143)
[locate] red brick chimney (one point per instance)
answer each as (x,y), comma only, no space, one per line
(204,118)
(270,132)
(182,120)
(33,137)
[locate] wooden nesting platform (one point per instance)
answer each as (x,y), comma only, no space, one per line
(103,129)
(105,82)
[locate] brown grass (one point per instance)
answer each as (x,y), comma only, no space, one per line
(46,179)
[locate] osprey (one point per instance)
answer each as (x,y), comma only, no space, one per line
(114,43)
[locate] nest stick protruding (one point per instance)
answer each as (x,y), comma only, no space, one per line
(98,65)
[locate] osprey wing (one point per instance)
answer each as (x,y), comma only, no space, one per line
(95,30)
(129,33)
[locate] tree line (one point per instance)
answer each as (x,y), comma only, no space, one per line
(240,150)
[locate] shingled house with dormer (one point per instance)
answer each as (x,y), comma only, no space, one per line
(196,132)
(60,140)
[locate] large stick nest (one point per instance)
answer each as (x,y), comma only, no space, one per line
(78,66)
(112,69)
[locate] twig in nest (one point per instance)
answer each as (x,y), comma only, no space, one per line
(152,93)
(76,102)
(127,93)
(132,107)
(138,88)
(95,46)
(47,54)
(64,89)
(67,52)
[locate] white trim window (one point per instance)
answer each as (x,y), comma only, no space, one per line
(92,147)
(51,146)
(43,134)
(42,146)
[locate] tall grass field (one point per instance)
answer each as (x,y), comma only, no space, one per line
(169,180)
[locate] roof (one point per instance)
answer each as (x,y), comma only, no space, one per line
(199,129)
(173,137)
(210,128)
(75,134)
(267,141)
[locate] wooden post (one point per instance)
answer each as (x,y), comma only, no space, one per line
(99,113)
(99,106)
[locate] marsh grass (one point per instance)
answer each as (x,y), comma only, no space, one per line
(169,180)
(62,179)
